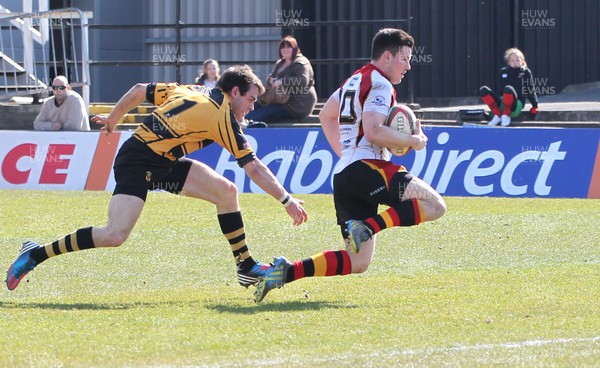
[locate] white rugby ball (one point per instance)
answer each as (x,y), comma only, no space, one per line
(404,120)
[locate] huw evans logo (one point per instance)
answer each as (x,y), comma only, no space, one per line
(420,56)
(166,54)
(290,19)
(539,86)
(537,19)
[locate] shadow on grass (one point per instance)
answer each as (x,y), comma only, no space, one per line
(77,306)
(251,308)
(277,307)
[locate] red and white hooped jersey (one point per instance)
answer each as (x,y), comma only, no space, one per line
(366,90)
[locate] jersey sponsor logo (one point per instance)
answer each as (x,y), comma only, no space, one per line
(379,101)
(380,189)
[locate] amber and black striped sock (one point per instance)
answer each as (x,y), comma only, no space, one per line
(327,263)
(79,240)
(405,213)
(232,227)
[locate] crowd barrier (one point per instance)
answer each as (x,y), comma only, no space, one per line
(498,162)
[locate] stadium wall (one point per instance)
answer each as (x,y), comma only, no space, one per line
(460,43)
(552,163)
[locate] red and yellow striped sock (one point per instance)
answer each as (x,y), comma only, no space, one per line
(326,263)
(405,213)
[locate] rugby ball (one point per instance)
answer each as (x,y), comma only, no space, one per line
(402,119)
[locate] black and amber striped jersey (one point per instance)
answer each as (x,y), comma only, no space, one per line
(188,118)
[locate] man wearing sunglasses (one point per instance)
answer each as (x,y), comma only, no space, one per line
(63,111)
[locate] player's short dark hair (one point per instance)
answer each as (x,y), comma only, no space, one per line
(390,39)
(240,76)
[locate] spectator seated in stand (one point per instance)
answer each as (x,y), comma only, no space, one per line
(64,111)
(290,94)
(517,83)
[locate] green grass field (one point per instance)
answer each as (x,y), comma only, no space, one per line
(496,282)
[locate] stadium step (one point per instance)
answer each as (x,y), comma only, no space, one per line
(547,113)
(574,115)
(552,114)
(106,108)
(130,121)
(556,115)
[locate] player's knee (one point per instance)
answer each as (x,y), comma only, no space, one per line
(485,90)
(509,90)
(115,238)
(229,192)
(360,267)
(360,262)
(438,209)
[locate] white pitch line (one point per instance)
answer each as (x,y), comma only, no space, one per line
(416,352)
(505,345)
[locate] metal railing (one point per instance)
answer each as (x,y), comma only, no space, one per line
(37,46)
(56,42)
(178,62)
(178,43)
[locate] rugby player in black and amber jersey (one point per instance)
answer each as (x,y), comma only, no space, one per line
(186,119)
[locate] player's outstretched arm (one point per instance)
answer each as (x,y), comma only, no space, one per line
(133,98)
(264,178)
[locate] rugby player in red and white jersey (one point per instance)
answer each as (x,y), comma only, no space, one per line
(353,122)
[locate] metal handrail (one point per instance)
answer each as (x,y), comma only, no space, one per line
(243,25)
(65,13)
(178,26)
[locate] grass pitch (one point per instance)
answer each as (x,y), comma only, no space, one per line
(508,282)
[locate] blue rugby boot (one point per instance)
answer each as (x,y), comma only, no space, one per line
(275,278)
(358,234)
(22,265)
(253,275)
